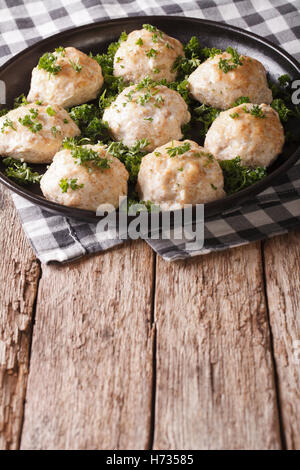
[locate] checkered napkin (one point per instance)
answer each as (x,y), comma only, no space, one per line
(272,212)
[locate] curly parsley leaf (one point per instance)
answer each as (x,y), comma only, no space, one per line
(20,172)
(238,177)
(180,150)
(205,115)
(65,184)
(30,121)
(130,156)
(48,62)
(241,100)
(20,101)
(88,119)
(3,111)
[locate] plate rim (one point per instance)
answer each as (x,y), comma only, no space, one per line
(213,208)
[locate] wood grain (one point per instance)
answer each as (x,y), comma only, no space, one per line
(282,267)
(90,382)
(215,382)
(19,274)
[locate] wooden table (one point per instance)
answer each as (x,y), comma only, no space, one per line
(124,351)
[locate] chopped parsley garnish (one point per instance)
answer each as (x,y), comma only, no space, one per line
(152,29)
(139,42)
(55,131)
(48,62)
(255,111)
(148,119)
(65,184)
(88,119)
(151,53)
(60,50)
(283,111)
(213,186)
(237,177)
(287,111)
(155,70)
(29,120)
(3,111)
(180,150)
(230,64)
(210,52)
(76,65)
(143,99)
(20,172)
(206,115)
(241,100)
(66,121)
(234,115)
(209,156)
(130,156)
(84,155)
(112,85)
(284,80)
(50,111)
(8,123)
(20,101)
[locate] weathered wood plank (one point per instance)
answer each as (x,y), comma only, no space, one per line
(90,381)
(19,274)
(215,382)
(282,267)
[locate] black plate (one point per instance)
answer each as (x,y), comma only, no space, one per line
(96,37)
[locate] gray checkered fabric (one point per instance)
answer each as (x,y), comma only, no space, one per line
(273,212)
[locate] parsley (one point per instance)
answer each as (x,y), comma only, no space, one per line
(283,111)
(284,80)
(29,120)
(112,85)
(3,111)
(209,156)
(210,52)
(213,186)
(155,70)
(151,53)
(20,101)
(84,155)
(130,156)
(48,62)
(50,111)
(148,119)
(139,42)
(287,111)
(234,115)
(55,131)
(76,65)
(206,115)
(228,65)
(180,150)
(241,100)
(60,50)
(255,111)
(20,172)
(237,177)
(66,121)
(65,184)
(152,29)
(8,123)
(88,119)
